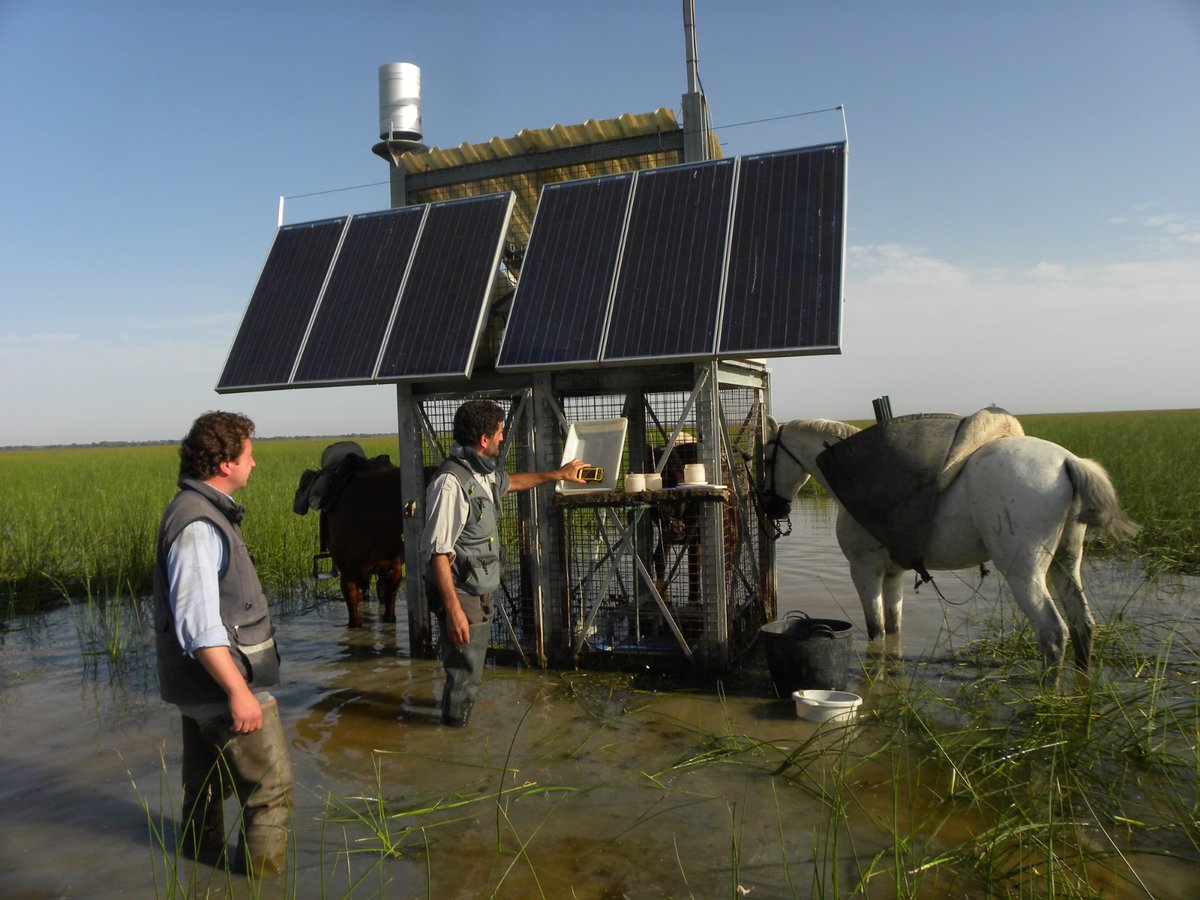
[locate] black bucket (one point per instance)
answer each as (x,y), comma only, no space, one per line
(803,652)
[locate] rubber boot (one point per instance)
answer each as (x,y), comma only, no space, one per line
(262,772)
(464,674)
(204,792)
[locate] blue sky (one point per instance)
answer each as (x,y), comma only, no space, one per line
(1024,200)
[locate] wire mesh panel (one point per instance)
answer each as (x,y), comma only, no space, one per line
(749,599)
(513,622)
(609,577)
(675,571)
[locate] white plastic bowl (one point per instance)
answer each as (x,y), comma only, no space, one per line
(826,706)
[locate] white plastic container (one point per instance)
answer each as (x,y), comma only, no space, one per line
(598,442)
(826,706)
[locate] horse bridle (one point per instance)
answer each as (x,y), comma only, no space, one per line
(773,500)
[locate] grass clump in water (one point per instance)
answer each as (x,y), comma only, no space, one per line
(998,787)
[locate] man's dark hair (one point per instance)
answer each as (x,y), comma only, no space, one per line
(216,437)
(474,419)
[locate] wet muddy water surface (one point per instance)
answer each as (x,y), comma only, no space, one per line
(565,783)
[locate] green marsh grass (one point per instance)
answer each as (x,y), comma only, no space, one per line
(1151,457)
(88,515)
(83,520)
(998,788)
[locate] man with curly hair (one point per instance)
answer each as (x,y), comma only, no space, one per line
(216,653)
(461,546)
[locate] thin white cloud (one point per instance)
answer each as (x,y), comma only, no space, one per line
(1162,232)
(938,337)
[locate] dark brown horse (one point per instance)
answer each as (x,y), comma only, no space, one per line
(361,523)
(366,539)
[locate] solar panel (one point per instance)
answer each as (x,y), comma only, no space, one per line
(669,284)
(561,303)
(783,292)
(347,333)
(264,351)
(732,257)
(444,302)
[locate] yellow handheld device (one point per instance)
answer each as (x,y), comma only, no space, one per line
(591,473)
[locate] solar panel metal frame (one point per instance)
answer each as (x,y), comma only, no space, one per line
(260,314)
(591,276)
(811,320)
(680,229)
(244,367)
(405,310)
(352,294)
(807,318)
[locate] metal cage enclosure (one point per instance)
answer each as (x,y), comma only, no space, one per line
(681,577)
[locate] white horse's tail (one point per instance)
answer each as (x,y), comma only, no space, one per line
(1100,507)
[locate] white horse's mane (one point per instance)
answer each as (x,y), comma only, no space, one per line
(826,426)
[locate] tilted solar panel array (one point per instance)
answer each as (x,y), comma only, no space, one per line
(738,257)
(377,297)
(444,306)
(783,293)
(665,302)
(273,328)
(352,321)
(582,223)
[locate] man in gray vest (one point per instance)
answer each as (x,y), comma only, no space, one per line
(216,653)
(461,546)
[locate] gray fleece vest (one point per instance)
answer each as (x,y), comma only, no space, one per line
(478,563)
(181,679)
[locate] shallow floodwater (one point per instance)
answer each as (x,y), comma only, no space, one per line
(564,784)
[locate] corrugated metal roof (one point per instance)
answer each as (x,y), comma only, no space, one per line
(595,147)
(538,140)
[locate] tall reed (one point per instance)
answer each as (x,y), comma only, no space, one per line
(85,519)
(89,515)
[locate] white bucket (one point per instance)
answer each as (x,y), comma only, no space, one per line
(826,706)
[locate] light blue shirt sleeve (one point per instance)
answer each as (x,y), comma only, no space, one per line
(446,515)
(194,564)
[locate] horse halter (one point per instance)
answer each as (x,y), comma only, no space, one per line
(776,507)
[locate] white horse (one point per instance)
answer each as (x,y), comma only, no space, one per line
(1021,502)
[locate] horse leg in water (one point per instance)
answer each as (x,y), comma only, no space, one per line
(354,590)
(893,599)
(880,589)
(387,583)
(1066,587)
(1022,526)
(1026,577)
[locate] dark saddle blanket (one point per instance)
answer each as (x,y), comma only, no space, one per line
(889,476)
(319,488)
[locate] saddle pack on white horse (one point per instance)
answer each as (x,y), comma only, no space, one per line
(888,476)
